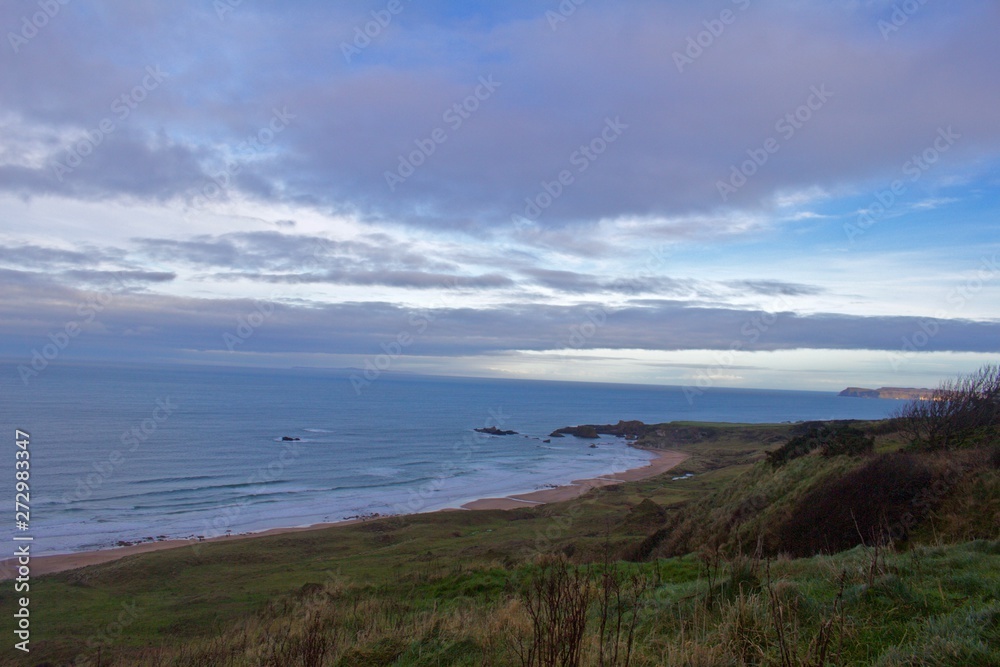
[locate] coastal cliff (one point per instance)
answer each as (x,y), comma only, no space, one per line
(895,393)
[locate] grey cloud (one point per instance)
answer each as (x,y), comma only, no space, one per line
(579,283)
(124,164)
(273,251)
(558,89)
(573,282)
(42,257)
(566,281)
(682,137)
(775,287)
(120,277)
(12,277)
(411,279)
(169,325)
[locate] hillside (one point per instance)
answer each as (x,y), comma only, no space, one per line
(711,563)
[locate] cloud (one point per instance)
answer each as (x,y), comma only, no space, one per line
(579,283)
(169,325)
(663,286)
(516,197)
(557,90)
(278,251)
(36,256)
(121,277)
(408,279)
(775,288)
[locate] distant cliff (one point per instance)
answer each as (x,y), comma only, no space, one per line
(897,393)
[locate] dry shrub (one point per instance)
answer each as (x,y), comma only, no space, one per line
(963,413)
(555,600)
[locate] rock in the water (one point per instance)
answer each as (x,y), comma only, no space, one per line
(288,438)
(493,430)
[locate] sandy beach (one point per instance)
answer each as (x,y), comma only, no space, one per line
(40,565)
(664,461)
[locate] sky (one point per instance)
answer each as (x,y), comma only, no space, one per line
(739,193)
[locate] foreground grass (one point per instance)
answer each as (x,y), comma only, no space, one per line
(929,606)
(455,588)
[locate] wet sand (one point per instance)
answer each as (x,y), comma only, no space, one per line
(60,562)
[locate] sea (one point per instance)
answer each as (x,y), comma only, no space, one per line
(127,453)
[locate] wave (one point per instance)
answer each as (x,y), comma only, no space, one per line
(175,493)
(161,480)
(220,504)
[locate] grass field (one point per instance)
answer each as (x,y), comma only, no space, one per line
(459,588)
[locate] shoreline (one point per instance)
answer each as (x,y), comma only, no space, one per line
(664,461)
(51,564)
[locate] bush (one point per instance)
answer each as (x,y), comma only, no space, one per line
(882,498)
(831,439)
(963,413)
(848,441)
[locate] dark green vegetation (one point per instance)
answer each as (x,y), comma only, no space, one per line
(854,543)
(831,438)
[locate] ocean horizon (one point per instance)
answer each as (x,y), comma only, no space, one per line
(130,452)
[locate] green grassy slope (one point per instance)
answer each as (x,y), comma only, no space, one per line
(439,588)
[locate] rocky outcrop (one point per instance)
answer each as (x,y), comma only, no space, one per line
(630,430)
(493,430)
(584,431)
